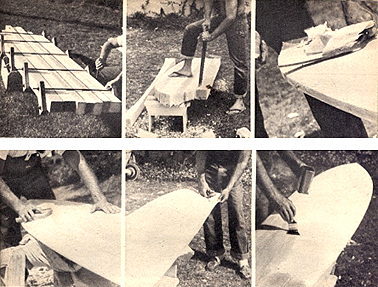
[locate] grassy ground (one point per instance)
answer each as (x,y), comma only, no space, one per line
(278,99)
(78,26)
(67,186)
(161,177)
(358,263)
(149,41)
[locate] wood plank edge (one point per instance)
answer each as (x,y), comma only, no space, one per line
(133,113)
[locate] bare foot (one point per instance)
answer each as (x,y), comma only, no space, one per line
(181,74)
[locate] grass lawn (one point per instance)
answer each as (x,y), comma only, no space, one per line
(78,26)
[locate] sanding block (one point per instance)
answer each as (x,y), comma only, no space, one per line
(38,214)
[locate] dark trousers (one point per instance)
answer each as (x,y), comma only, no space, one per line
(279,21)
(27,179)
(218,178)
(236,40)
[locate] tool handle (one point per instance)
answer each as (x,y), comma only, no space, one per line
(39,214)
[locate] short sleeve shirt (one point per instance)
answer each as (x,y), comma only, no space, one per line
(28,153)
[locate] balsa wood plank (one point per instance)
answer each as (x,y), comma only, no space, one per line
(348,82)
(54,101)
(133,113)
(160,231)
(92,240)
(327,218)
(86,101)
(51,79)
(111,102)
(173,91)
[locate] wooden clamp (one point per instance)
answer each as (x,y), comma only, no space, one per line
(43,98)
(39,54)
(26,41)
(26,76)
(12,63)
(70,89)
(2,46)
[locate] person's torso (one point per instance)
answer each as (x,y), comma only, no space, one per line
(220,7)
(223,157)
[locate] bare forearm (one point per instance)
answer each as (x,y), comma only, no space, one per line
(8,196)
(76,160)
(107,47)
(208,7)
(240,167)
(263,179)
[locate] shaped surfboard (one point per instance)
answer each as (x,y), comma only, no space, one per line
(160,231)
(327,219)
(347,82)
(92,240)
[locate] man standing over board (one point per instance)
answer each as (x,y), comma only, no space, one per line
(220,171)
(221,16)
(22,177)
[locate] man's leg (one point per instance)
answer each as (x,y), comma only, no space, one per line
(237,41)
(213,225)
(260,131)
(237,229)
(10,234)
(188,48)
(189,45)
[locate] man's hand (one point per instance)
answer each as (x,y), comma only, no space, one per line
(261,51)
(204,189)
(105,206)
(109,85)
(206,25)
(26,211)
(100,64)
(224,195)
(284,207)
(206,37)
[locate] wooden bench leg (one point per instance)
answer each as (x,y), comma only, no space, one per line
(14,261)
(184,121)
(150,122)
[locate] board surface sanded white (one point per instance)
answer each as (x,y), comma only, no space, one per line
(173,91)
(348,82)
(327,219)
(92,240)
(158,232)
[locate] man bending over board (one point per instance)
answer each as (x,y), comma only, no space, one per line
(22,177)
(220,171)
(221,16)
(105,73)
